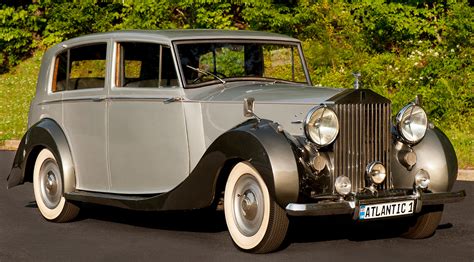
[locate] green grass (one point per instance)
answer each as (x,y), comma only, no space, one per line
(18,86)
(463,142)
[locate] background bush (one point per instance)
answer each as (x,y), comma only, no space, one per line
(402,48)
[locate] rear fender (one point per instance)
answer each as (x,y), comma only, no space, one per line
(44,134)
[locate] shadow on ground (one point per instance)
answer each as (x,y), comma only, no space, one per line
(191,221)
(301,230)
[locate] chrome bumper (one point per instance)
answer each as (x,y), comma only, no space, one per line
(352,207)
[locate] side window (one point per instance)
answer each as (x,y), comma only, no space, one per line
(283,62)
(80,68)
(144,65)
(60,72)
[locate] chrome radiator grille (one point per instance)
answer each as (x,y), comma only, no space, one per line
(364,137)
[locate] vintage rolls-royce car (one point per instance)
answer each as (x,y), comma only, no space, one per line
(192,119)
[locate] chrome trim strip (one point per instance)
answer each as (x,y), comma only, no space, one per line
(100,99)
(134,98)
(50,102)
(75,99)
(319,209)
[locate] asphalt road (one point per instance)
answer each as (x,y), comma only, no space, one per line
(110,234)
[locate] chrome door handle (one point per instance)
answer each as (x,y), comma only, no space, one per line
(173,99)
(98,99)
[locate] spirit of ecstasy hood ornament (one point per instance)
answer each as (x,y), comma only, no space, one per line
(356,81)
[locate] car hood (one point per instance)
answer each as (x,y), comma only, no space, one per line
(264,93)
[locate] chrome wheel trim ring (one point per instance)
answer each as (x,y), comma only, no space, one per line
(248,205)
(50,183)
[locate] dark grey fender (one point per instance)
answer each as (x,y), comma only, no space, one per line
(267,149)
(264,147)
(44,134)
(436,155)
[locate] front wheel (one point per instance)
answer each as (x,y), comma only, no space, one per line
(255,221)
(48,189)
(424,225)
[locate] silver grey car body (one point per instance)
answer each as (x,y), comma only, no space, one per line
(172,148)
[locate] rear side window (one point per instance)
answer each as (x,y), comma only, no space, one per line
(80,68)
(144,65)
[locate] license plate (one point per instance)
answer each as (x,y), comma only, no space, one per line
(386,210)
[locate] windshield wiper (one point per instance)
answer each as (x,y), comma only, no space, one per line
(205,73)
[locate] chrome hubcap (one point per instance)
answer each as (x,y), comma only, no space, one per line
(50,183)
(248,205)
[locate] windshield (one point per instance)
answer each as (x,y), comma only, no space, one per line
(234,61)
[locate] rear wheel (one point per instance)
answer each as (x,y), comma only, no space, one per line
(255,221)
(48,189)
(424,225)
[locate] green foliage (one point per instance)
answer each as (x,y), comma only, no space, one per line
(70,19)
(402,48)
(146,14)
(264,15)
(17,88)
(392,26)
(205,14)
(18,32)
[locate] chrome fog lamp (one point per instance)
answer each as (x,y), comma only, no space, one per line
(376,172)
(422,179)
(343,185)
(412,123)
(321,125)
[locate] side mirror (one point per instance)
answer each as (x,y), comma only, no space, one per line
(249,103)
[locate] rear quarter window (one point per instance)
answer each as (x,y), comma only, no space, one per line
(80,68)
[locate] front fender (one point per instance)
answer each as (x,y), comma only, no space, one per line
(272,156)
(44,134)
(261,144)
(435,154)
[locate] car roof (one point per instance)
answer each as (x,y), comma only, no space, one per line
(182,35)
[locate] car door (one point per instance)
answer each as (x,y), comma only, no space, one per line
(148,148)
(84,113)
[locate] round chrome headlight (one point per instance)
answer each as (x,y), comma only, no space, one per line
(321,125)
(343,185)
(376,172)
(422,179)
(412,123)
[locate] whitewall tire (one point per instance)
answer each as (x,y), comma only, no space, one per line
(48,189)
(255,221)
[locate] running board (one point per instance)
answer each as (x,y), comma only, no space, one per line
(134,202)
